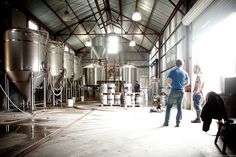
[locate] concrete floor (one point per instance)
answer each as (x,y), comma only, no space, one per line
(92,131)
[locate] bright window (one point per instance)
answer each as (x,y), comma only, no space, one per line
(66,49)
(215,52)
(113,45)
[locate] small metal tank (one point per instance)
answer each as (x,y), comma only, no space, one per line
(68,64)
(25,57)
(92,75)
(129,74)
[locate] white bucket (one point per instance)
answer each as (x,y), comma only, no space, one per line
(117,99)
(82,98)
(70,103)
(104,99)
(139,99)
(133,98)
(128,88)
(110,99)
(111,88)
(103,88)
(127,100)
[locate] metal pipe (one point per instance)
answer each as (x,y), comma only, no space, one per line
(53,95)
(32,91)
(45,93)
(6,102)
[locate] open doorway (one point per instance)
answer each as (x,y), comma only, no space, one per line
(215,52)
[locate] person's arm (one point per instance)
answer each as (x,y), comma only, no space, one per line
(198,85)
(169,81)
(186,82)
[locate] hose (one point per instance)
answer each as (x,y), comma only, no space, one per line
(12,102)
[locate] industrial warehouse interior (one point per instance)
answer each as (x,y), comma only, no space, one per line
(91,78)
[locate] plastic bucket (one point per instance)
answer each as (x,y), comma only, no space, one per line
(70,102)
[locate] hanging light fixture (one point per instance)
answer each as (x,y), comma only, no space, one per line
(136,16)
(132,43)
(66,17)
(88,44)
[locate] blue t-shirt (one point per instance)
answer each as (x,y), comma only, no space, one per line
(179,77)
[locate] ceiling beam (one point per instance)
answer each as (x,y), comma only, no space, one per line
(74,14)
(149,18)
(99,11)
(145,35)
(157,33)
(172,15)
(121,19)
(103,34)
(50,8)
(71,25)
(176,6)
(108,9)
(94,14)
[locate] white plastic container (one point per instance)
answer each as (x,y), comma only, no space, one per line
(70,102)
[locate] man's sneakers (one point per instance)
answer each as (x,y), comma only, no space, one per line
(197,120)
(166,124)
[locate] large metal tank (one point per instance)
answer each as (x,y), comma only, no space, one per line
(98,48)
(92,75)
(55,60)
(25,55)
(77,68)
(68,65)
(129,74)
(55,57)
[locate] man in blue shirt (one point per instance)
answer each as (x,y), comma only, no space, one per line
(177,79)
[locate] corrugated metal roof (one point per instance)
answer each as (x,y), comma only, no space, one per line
(87,21)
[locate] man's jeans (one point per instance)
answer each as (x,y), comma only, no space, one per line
(176,96)
(196,102)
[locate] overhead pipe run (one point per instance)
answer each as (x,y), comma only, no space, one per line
(195,11)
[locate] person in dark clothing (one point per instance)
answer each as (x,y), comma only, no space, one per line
(213,109)
(137,87)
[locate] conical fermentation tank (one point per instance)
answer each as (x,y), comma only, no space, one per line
(98,48)
(68,65)
(77,68)
(25,58)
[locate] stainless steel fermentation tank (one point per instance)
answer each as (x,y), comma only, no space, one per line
(55,51)
(129,74)
(55,67)
(98,47)
(77,68)
(69,74)
(92,75)
(25,58)
(77,78)
(68,65)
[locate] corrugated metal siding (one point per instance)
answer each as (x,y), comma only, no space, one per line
(161,13)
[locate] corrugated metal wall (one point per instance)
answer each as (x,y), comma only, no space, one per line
(171,48)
